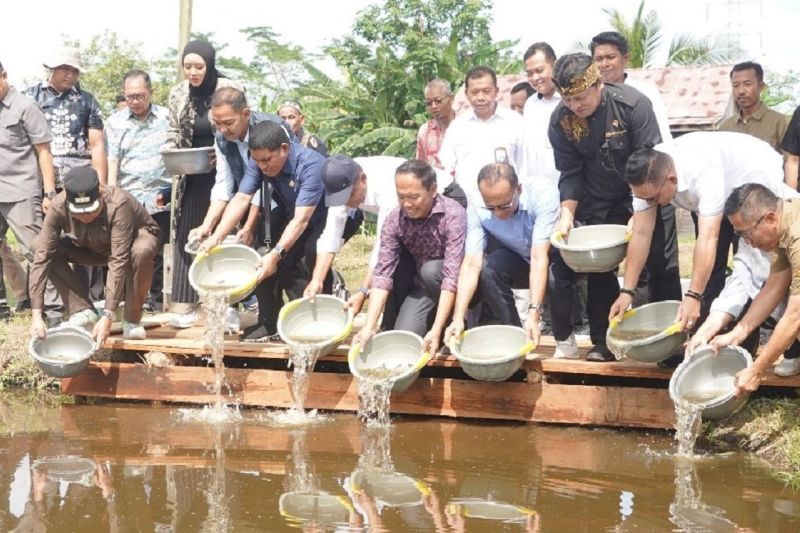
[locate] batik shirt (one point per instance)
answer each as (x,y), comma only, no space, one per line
(429,141)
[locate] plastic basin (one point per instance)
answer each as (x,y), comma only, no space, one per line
(488,510)
(492,353)
(187,161)
(707,380)
(598,248)
(648,333)
(389,488)
(229,268)
(322,508)
(320,326)
(399,352)
(65,352)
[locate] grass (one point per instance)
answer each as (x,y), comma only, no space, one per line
(17,369)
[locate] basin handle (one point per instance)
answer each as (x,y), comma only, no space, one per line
(615,322)
(526,349)
(674,328)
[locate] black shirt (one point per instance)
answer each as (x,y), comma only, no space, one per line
(791,139)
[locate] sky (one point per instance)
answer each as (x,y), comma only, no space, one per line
(765,26)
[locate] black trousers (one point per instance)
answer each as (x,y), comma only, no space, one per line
(157,285)
(752,341)
(716,281)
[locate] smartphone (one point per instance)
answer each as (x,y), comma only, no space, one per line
(500,155)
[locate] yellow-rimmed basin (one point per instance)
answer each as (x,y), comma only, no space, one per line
(399,352)
(492,353)
(319,507)
(648,333)
(599,248)
(488,510)
(229,268)
(319,326)
(392,489)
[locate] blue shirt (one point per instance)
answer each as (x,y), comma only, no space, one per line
(299,183)
(532,223)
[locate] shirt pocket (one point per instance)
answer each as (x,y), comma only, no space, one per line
(12,131)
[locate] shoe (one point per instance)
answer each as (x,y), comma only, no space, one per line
(232,322)
(567,349)
(5,312)
(671,362)
(85,318)
(258,333)
(787,367)
(133,331)
(251,305)
(22,305)
(600,354)
(183,320)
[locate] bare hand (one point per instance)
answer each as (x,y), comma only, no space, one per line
(208,245)
(268,266)
(431,341)
(38,328)
(565,224)
(620,305)
(688,313)
(313,288)
(101,331)
(212,158)
(732,338)
(246,237)
(356,302)
(363,337)
(533,327)
(453,332)
(747,380)
(696,341)
(45,204)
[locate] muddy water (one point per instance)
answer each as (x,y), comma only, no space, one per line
(145,468)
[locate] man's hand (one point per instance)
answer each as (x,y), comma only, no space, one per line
(268,266)
(454,331)
(565,223)
(198,233)
(45,204)
(209,244)
(363,337)
(696,341)
(38,327)
(101,331)
(356,302)
(732,338)
(533,327)
(431,341)
(212,158)
(747,380)
(246,236)
(313,288)
(688,313)
(620,305)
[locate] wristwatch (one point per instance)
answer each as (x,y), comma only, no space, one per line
(108,314)
(280,250)
(535,307)
(50,195)
(364,291)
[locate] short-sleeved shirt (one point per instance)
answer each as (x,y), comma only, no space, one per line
(429,142)
(787,255)
(532,223)
(136,145)
(71,115)
(439,236)
(709,165)
(22,125)
(765,124)
(299,183)
(791,139)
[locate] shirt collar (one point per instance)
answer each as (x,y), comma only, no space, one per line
(758,114)
(151,113)
(52,90)
(9,97)
(473,116)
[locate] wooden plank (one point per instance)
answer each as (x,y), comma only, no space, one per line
(573,404)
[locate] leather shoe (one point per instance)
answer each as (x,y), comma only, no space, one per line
(600,354)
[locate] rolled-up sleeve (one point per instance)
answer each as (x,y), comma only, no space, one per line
(389,252)
(456,232)
(222,190)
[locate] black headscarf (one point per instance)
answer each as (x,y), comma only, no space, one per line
(200,95)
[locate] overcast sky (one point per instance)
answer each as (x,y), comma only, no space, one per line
(32,29)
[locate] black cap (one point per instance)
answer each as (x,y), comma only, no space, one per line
(338,174)
(83,189)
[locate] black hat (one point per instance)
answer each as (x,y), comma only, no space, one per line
(338,174)
(83,190)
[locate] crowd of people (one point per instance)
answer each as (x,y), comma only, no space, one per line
(462,228)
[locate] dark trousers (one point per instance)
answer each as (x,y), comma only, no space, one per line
(716,281)
(503,270)
(663,271)
(412,302)
(157,285)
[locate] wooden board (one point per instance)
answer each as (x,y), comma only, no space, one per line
(541,402)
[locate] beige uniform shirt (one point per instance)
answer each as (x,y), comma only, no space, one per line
(765,124)
(788,253)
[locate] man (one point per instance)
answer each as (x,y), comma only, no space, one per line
(293,171)
(520,219)
(519,95)
(488,133)
(422,238)
(791,146)
(537,152)
(73,115)
(439,103)
(26,168)
(292,112)
(754,117)
(92,224)
(696,172)
(134,138)
(593,131)
(771,224)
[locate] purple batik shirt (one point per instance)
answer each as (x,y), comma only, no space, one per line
(439,236)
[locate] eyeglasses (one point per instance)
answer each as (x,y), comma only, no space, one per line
(654,199)
(748,232)
(136,97)
(436,101)
(502,207)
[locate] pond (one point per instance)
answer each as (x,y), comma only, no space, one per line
(137,467)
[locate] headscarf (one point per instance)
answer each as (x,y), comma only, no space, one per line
(200,95)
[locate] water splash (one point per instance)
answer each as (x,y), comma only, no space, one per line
(374,394)
(688,423)
(302,358)
(215,305)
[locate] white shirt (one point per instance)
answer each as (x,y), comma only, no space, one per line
(659,110)
(224,184)
(469,145)
(537,153)
(709,165)
(751,267)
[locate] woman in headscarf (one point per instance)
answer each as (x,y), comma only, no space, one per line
(190,127)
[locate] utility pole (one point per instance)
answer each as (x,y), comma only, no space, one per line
(184,30)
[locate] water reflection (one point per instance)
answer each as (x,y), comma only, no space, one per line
(141,468)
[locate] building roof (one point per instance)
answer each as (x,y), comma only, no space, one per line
(696,98)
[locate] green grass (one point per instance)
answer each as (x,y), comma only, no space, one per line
(17,369)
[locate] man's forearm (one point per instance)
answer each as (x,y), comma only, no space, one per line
(790,170)
(378,299)
(292,232)
(322,265)
(214,213)
(113,170)
(233,213)
(446,300)
(538,278)
(765,302)
(705,252)
(784,335)
(99,162)
(45,157)
(253,216)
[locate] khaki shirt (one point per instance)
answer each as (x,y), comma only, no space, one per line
(111,235)
(788,253)
(765,124)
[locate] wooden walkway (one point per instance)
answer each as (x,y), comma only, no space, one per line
(625,393)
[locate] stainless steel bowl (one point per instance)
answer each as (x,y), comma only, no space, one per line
(320,326)
(648,333)
(707,380)
(230,268)
(65,352)
(67,468)
(187,161)
(399,352)
(492,353)
(598,248)
(322,508)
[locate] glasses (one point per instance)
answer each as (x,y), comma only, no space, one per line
(502,207)
(436,101)
(136,97)
(748,232)
(652,200)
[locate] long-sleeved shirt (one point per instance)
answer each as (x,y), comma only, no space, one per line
(750,270)
(111,234)
(537,152)
(440,235)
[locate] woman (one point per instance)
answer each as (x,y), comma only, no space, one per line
(190,127)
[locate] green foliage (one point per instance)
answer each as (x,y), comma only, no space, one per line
(782,91)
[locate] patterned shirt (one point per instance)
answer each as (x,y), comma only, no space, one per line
(429,141)
(71,115)
(439,236)
(136,145)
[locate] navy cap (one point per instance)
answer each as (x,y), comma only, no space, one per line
(83,190)
(338,174)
